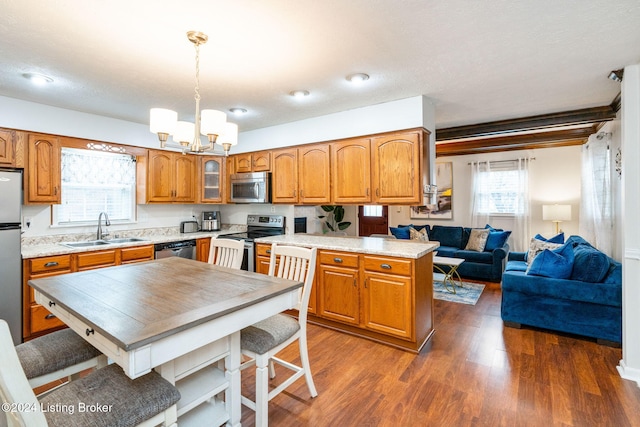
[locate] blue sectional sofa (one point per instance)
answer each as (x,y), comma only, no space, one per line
(587,303)
(481,265)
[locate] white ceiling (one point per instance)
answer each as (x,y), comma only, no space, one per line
(478,61)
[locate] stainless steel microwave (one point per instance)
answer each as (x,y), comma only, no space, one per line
(251,187)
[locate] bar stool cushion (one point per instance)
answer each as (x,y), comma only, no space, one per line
(69,348)
(117,400)
(269,333)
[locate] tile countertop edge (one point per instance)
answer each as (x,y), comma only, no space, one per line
(366,245)
(49,249)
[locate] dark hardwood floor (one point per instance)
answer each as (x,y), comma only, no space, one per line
(474,372)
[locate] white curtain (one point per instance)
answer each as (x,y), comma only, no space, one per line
(596,209)
(505,193)
(522,219)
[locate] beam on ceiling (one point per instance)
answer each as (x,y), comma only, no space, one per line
(523,141)
(527,124)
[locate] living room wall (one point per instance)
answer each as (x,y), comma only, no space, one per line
(555,177)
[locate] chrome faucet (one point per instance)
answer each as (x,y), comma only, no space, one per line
(100,235)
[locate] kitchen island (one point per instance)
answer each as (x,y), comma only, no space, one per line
(379,289)
(177,316)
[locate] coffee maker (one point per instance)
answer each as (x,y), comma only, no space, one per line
(211,221)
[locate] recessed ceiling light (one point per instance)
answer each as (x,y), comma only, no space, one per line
(38,79)
(299,93)
(238,111)
(358,78)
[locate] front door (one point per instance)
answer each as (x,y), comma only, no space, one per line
(373,220)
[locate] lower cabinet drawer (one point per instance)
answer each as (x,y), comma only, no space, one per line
(98,259)
(388,265)
(137,254)
(42,319)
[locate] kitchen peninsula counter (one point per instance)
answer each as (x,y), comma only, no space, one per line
(365,245)
(375,288)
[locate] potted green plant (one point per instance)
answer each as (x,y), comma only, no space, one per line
(334,218)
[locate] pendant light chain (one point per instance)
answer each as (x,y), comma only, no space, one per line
(196,146)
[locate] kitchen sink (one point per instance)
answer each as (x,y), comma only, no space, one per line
(85,244)
(91,243)
(125,240)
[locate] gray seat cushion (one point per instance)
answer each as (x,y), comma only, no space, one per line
(269,333)
(120,401)
(53,352)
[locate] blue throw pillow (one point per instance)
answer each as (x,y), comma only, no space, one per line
(557,263)
(401,232)
(496,240)
(493,229)
(590,264)
(558,238)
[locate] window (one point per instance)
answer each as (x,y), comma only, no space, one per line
(372,210)
(94,182)
(498,189)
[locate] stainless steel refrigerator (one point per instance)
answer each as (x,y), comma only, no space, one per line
(10,255)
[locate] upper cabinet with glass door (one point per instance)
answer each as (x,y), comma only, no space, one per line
(211,179)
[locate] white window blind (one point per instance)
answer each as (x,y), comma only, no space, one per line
(94,182)
(372,210)
(498,189)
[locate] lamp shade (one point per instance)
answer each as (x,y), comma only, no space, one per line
(184,133)
(229,134)
(162,120)
(212,122)
(556,212)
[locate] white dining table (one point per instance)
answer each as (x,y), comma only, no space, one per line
(177,316)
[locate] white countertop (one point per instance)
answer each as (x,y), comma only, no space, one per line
(366,245)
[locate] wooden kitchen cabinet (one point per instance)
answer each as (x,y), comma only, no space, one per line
(351,171)
(314,175)
(42,176)
(338,286)
(259,161)
(386,296)
(211,189)
(263,258)
(136,254)
(284,181)
(383,298)
(36,319)
(7,148)
(171,177)
(203,246)
(396,176)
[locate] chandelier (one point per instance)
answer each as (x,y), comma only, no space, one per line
(211,123)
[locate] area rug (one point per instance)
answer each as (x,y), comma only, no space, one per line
(469,293)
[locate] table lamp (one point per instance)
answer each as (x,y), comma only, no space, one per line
(556,214)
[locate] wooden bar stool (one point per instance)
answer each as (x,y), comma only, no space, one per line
(263,340)
(106,397)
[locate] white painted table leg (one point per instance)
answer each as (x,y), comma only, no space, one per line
(262,391)
(233,393)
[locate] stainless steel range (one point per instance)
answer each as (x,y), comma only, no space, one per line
(257,226)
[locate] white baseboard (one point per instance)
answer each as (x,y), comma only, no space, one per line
(628,373)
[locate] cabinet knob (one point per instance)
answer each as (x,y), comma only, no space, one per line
(385,266)
(338,260)
(89,331)
(268,251)
(50,316)
(51,303)
(51,264)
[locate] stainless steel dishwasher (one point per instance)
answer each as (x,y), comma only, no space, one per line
(183,249)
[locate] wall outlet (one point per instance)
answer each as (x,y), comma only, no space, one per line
(273,209)
(27,222)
